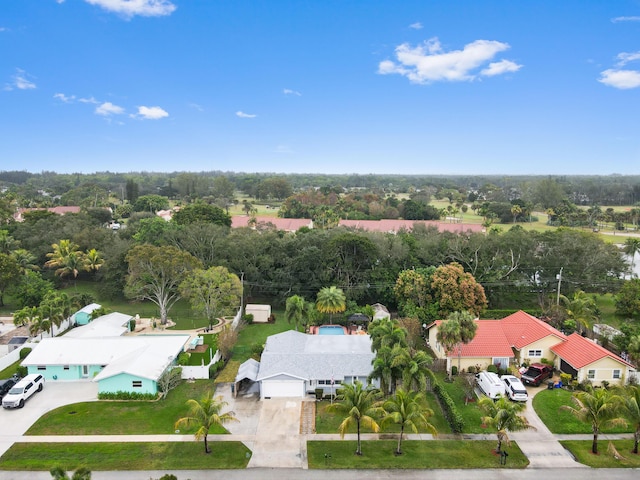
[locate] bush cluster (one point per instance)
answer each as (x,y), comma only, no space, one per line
(455,420)
(215,368)
(120,395)
(24,352)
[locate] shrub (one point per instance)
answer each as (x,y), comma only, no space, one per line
(120,395)
(248,318)
(454,370)
(565,378)
(471,369)
(183,358)
(24,352)
(215,368)
(492,368)
(272,318)
(319,392)
(449,409)
(256,350)
(22,371)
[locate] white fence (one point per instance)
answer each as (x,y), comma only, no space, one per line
(12,357)
(200,372)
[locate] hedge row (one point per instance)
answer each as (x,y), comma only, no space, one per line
(120,395)
(497,314)
(455,420)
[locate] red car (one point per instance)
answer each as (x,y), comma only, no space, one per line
(536,373)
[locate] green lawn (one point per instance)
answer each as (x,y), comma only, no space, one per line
(125,456)
(416,454)
(547,405)
(470,412)
(123,417)
(10,370)
(581,450)
(328,422)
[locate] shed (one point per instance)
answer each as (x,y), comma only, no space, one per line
(261,313)
(83,316)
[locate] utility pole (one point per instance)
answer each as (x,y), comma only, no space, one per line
(559,278)
(242,293)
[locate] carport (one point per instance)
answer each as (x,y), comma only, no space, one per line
(245,380)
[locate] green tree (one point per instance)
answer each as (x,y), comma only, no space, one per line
(628,299)
(599,408)
(151,203)
(631,398)
(204,415)
(582,309)
(155,274)
(25,259)
(331,300)
(32,289)
(415,368)
(386,333)
(82,473)
(503,416)
(66,258)
(294,310)
(361,405)
(93,260)
(458,329)
(200,212)
(384,368)
(10,273)
(631,248)
(214,292)
(456,290)
(409,410)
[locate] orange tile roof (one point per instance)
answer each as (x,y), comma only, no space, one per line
(489,341)
(287,224)
(523,329)
(580,352)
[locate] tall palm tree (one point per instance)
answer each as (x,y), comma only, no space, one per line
(331,300)
(82,473)
(386,333)
(204,414)
(459,328)
(415,368)
(93,260)
(632,410)
(503,416)
(25,259)
(582,309)
(66,258)
(385,368)
(599,408)
(631,248)
(294,312)
(410,411)
(361,405)
(50,310)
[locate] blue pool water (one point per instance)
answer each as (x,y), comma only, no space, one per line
(330,330)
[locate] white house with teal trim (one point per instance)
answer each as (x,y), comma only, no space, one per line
(129,364)
(83,316)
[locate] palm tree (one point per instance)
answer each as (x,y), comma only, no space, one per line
(25,259)
(66,258)
(410,411)
(415,368)
(93,260)
(294,312)
(459,328)
(205,414)
(82,473)
(24,316)
(632,411)
(597,407)
(50,310)
(582,309)
(360,405)
(331,300)
(503,415)
(631,248)
(386,333)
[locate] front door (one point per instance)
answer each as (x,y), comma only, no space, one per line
(85,371)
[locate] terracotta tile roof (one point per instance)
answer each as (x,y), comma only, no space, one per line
(523,329)
(394,226)
(286,224)
(580,352)
(489,341)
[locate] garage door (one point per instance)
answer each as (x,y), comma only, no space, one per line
(282,388)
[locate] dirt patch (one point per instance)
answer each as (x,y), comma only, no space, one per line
(199,349)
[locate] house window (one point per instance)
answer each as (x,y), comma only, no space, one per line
(321,382)
(66,367)
(591,374)
(616,374)
(42,367)
(338,382)
(535,353)
(136,384)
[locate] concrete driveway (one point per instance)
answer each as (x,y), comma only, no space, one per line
(55,394)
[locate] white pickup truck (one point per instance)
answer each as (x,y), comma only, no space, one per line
(22,390)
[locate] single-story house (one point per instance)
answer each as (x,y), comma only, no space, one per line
(113,324)
(261,313)
(521,337)
(130,364)
(294,364)
(83,316)
(584,359)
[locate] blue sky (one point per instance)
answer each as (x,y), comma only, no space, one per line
(408,87)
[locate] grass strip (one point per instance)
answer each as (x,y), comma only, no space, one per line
(380,454)
(125,456)
(581,450)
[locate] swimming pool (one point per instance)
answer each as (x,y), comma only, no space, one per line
(330,330)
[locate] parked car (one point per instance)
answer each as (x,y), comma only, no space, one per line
(490,384)
(23,390)
(536,373)
(5,386)
(515,389)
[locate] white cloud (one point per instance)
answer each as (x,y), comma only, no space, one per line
(200,108)
(622,79)
(131,8)
(625,57)
(88,100)
(498,68)
(152,113)
(108,109)
(288,91)
(416,26)
(64,98)
(429,63)
(625,19)
(21,81)
(245,115)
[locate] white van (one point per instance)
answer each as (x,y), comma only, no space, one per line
(490,384)
(22,390)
